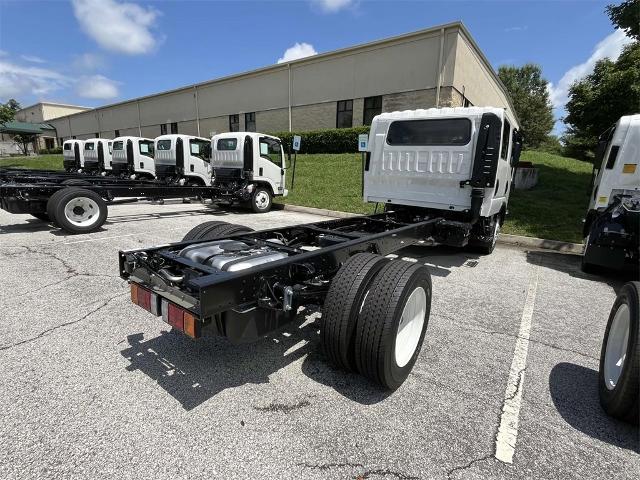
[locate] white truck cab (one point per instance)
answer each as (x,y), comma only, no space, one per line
(616,170)
(98,154)
(249,165)
(133,157)
(456,160)
(73,155)
(184,159)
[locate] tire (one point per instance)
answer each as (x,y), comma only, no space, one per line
(342,306)
(41,216)
(619,372)
(75,182)
(385,353)
(213,230)
(77,210)
(486,245)
(261,200)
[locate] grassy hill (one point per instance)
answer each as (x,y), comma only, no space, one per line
(553,209)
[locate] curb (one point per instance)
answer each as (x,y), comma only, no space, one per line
(504,238)
(533,242)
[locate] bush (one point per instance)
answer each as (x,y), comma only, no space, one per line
(51,151)
(339,140)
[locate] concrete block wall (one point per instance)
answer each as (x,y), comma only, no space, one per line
(319,116)
(273,120)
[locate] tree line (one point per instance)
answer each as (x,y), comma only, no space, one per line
(595,102)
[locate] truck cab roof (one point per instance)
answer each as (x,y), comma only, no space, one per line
(448,112)
(183,136)
(242,135)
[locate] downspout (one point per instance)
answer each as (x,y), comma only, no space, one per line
(99,126)
(289,67)
(195,88)
(440,67)
(139,125)
(69,121)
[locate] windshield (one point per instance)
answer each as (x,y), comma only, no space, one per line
(119,145)
(164,145)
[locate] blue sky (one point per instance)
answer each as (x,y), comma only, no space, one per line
(95,52)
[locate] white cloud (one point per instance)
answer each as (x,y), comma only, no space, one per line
(88,62)
(32,59)
(17,80)
(97,87)
(610,47)
(332,6)
(299,50)
(118,26)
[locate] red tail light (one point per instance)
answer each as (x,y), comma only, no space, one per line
(145,299)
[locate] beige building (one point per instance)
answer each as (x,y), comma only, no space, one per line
(39,115)
(440,66)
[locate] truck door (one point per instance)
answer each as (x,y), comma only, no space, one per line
(269,165)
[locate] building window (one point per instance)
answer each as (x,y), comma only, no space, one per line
(74,137)
(48,143)
(234,123)
(250,122)
(372,107)
(117,132)
(344,119)
(174,127)
(163,129)
(97,135)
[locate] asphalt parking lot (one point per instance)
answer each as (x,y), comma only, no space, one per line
(93,387)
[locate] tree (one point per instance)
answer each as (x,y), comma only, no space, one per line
(530,97)
(8,111)
(23,141)
(626,16)
(597,101)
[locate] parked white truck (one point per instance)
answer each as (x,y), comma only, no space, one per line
(612,226)
(133,158)
(249,166)
(98,155)
(183,159)
(73,155)
(458,162)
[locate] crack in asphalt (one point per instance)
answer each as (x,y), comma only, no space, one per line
(66,324)
(468,465)
(379,472)
(284,408)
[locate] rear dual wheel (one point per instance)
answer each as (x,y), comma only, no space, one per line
(77,210)
(214,230)
(376,324)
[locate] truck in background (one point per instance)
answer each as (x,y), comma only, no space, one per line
(133,158)
(183,159)
(73,155)
(611,227)
(98,155)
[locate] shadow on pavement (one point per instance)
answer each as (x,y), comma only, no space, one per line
(441,259)
(193,372)
(574,390)
(570,264)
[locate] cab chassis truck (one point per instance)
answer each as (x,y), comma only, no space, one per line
(230,281)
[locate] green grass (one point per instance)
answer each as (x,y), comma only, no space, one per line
(553,209)
(42,162)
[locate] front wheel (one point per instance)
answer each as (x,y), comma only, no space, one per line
(619,373)
(261,200)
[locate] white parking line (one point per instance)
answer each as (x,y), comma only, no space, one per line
(508,429)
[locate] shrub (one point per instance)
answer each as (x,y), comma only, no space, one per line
(339,140)
(50,151)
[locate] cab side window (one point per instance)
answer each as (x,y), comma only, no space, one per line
(146,148)
(506,138)
(271,150)
(200,149)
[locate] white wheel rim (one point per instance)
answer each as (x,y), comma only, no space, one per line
(616,350)
(410,327)
(262,200)
(82,211)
